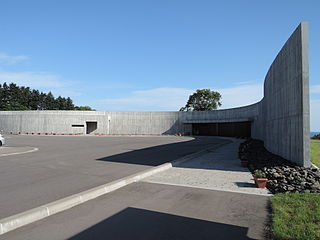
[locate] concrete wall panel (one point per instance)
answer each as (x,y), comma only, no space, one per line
(285,106)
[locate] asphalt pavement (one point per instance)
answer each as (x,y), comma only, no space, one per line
(142,211)
(66,165)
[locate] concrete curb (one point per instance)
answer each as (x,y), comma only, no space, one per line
(13,222)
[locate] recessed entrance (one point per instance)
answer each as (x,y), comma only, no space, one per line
(228,129)
(91,127)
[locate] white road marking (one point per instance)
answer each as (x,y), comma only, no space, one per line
(17,153)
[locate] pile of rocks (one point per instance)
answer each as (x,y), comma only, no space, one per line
(283,175)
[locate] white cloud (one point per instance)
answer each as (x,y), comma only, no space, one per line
(7,59)
(315,89)
(245,83)
(172,99)
(33,79)
(42,81)
(164,99)
(241,95)
(65,92)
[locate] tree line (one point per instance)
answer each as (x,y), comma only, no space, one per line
(14,98)
(316,137)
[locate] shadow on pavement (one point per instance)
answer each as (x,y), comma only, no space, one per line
(225,159)
(216,164)
(140,224)
(154,156)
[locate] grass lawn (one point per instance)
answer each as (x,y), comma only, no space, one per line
(315,152)
(296,216)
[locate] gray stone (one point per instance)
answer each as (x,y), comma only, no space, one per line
(276,175)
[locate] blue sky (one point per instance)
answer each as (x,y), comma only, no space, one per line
(151,55)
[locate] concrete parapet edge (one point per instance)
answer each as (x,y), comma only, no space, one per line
(95,134)
(21,219)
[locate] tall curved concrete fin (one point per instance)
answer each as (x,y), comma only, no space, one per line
(285,106)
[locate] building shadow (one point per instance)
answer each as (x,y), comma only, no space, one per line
(140,224)
(215,164)
(154,156)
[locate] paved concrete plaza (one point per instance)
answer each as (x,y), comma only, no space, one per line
(66,165)
(154,211)
(217,170)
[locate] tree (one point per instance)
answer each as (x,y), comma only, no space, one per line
(34,100)
(203,100)
(14,98)
(69,104)
(316,137)
(59,103)
(83,108)
(49,102)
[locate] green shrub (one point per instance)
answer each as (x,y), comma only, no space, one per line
(259,174)
(316,137)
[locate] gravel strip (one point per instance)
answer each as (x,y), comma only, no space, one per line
(217,170)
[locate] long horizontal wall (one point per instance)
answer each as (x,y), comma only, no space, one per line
(109,122)
(280,119)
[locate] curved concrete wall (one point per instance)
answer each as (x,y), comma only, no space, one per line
(284,117)
(280,119)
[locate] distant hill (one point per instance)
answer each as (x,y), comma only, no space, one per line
(314,133)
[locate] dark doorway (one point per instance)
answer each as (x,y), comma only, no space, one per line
(227,129)
(91,127)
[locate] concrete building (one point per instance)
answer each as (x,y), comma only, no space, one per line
(280,119)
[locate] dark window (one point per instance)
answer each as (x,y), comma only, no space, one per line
(77,125)
(227,129)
